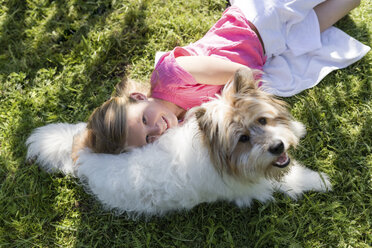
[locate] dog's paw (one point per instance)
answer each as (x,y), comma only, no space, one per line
(243,202)
(261,191)
(301,179)
(324,184)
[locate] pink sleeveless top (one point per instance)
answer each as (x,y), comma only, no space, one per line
(231,38)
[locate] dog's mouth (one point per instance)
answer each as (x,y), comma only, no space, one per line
(282,161)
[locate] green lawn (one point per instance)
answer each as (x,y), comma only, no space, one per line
(61,59)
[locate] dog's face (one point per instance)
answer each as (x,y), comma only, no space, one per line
(248,131)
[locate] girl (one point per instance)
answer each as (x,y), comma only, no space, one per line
(280,37)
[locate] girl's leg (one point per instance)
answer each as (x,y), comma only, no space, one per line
(330,11)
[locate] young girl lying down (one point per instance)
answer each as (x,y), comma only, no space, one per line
(292,42)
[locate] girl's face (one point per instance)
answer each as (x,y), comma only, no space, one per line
(147,120)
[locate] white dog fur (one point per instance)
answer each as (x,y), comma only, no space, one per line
(177,171)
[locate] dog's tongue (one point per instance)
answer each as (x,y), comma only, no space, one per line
(283,160)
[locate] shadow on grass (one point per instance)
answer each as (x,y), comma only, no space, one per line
(31,43)
(12,30)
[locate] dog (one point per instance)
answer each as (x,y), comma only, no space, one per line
(232,148)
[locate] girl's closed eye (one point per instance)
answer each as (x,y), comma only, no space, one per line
(144,121)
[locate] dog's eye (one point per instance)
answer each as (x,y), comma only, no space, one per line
(244,138)
(262,121)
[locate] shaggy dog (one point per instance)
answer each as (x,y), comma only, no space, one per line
(233,148)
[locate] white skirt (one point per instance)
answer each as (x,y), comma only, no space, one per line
(298,56)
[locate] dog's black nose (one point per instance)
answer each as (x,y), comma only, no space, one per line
(277,147)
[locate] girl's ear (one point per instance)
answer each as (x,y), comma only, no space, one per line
(137,96)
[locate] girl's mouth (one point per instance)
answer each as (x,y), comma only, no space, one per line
(166,122)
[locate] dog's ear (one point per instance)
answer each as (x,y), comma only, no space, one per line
(244,80)
(211,138)
(206,125)
(199,114)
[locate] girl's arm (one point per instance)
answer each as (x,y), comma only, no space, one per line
(208,69)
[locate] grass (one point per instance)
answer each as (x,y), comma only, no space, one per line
(61,59)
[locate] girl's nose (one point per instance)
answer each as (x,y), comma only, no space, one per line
(154,133)
(156,130)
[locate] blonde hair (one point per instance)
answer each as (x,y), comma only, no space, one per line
(106,130)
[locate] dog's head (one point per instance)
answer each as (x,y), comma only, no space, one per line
(248,132)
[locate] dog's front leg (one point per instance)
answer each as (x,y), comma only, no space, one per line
(300,179)
(262,191)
